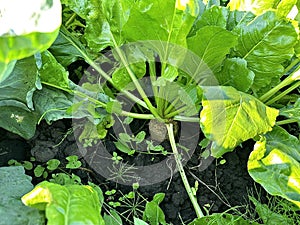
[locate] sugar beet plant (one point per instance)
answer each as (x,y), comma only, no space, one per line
(234,70)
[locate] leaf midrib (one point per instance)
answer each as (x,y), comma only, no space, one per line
(67,208)
(233,122)
(261,41)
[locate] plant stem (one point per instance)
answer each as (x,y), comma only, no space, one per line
(187,119)
(181,171)
(137,115)
(105,75)
(175,113)
(99,103)
(78,93)
(162,103)
(284,93)
(50,110)
(294,63)
(109,79)
(273,91)
(135,81)
(287,81)
(152,71)
(287,121)
(70,20)
(171,106)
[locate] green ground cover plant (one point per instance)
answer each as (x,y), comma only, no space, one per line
(233,70)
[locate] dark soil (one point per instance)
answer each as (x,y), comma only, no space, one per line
(220,186)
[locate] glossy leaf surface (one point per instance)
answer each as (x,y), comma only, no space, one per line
(211,44)
(275,164)
(69,204)
(266,43)
(230,117)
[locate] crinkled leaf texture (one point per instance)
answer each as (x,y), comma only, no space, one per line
(170,28)
(52,72)
(211,44)
(146,22)
(104,20)
(266,43)
(275,164)
(14,184)
(230,117)
(16,103)
(214,16)
(222,219)
(69,204)
(26,30)
(66,48)
(235,73)
(52,103)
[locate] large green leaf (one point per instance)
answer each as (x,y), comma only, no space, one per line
(16,99)
(69,204)
(104,20)
(169,29)
(52,104)
(236,74)
(20,85)
(26,30)
(146,22)
(56,96)
(222,219)
(66,48)
(214,16)
(17,118)
(239,18)
(52,72)
(14,184)
(275,164)
(230,117)
(211,44)
(266,43)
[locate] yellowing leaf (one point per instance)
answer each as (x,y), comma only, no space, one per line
(69,204)
(275,164)
(230,117)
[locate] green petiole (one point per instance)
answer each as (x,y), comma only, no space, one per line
(182,173)
(287,81)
